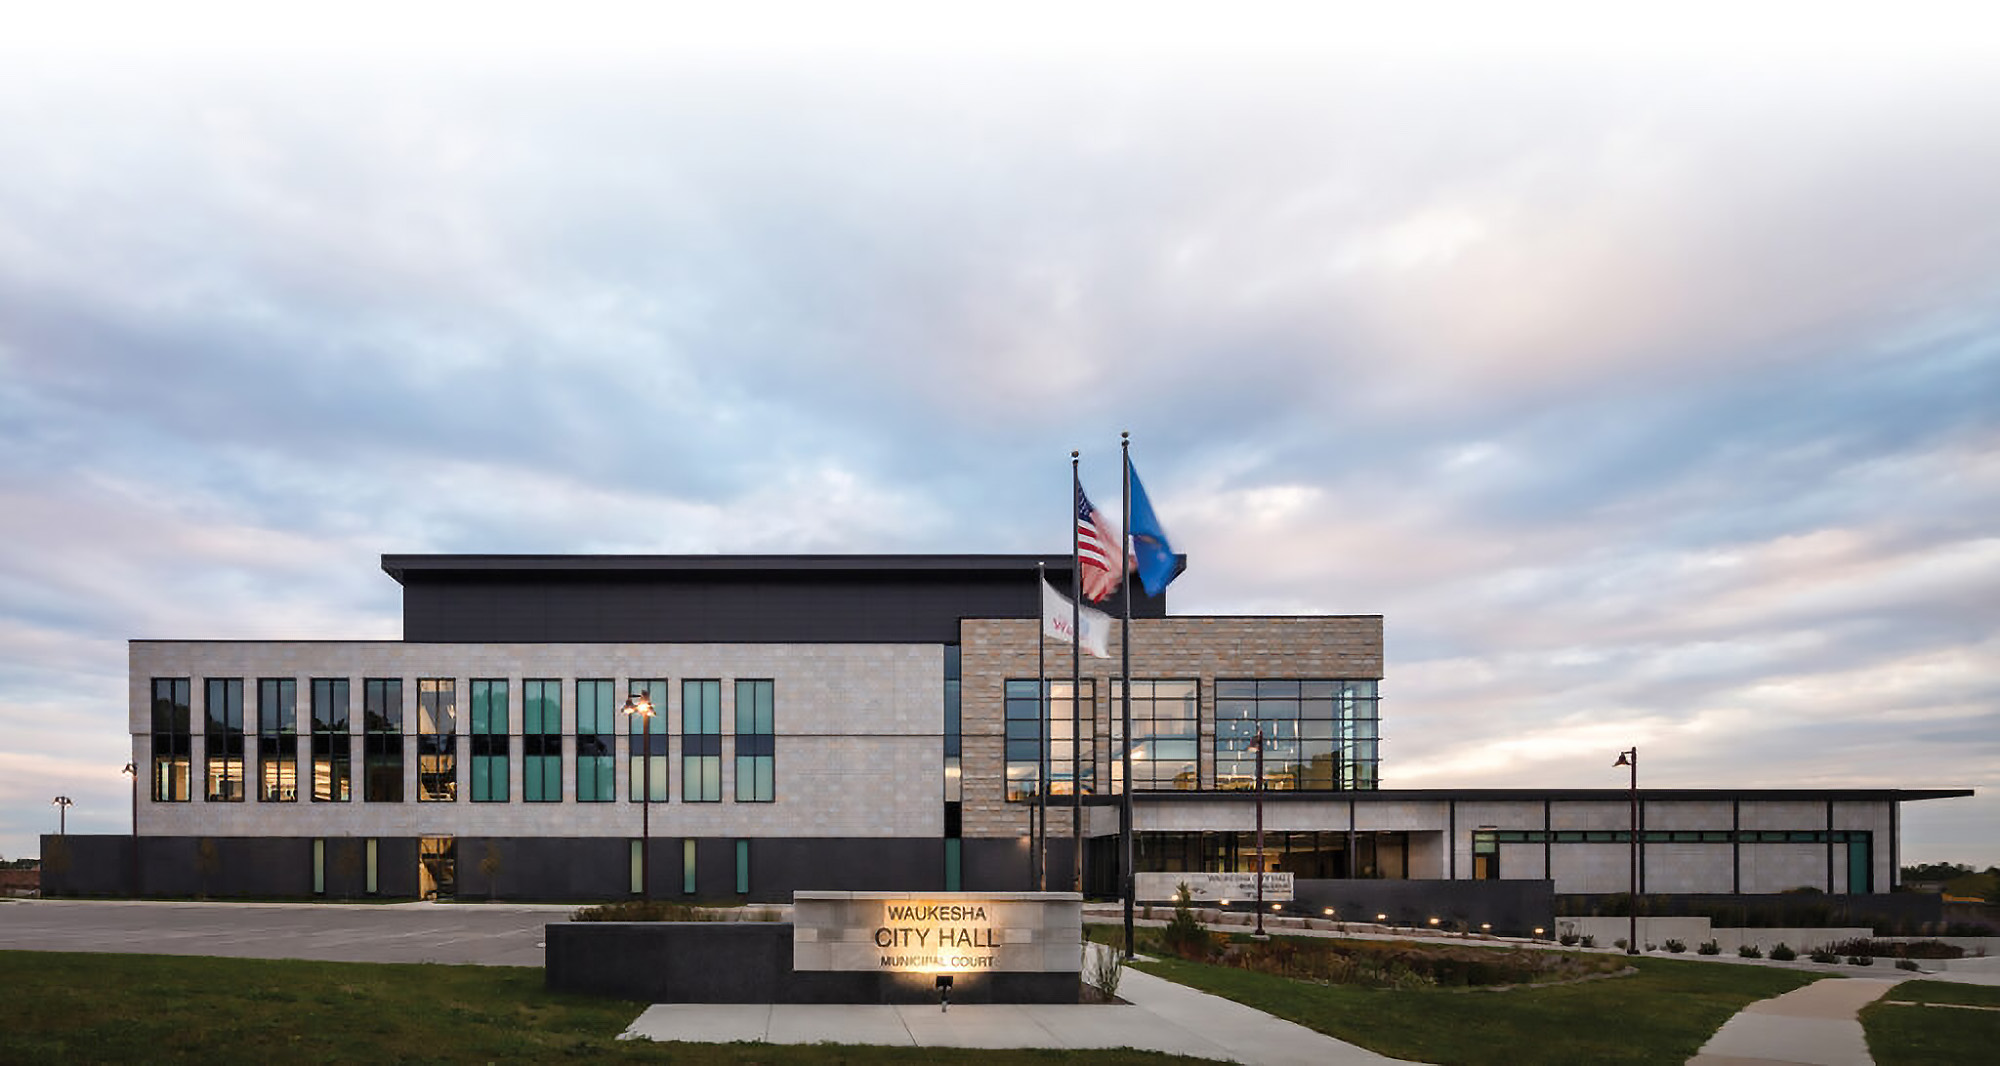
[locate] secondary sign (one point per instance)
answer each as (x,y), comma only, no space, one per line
(1213,887)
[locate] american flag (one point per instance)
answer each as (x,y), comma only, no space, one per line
(1096,547)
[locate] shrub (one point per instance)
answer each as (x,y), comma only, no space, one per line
(1185,935)
(1590,941)
(1709,947)
(1568,940)
(1861,960)
(1656,947)
(1906,964)
(1621,943)
(1750,951)
(1916,949)
(1824,954)
(636,910)
(1782,952)
(1675,946)
(1107,967)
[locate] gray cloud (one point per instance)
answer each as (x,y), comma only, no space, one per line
(1651,404)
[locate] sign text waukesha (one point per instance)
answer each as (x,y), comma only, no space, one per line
(957,947)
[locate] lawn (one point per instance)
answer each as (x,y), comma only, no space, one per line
(1917,1036)
(1661,1014)
(155,1008)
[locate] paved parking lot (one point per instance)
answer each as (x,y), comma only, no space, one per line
(479,934)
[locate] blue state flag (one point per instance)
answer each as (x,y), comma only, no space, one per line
(1150,550)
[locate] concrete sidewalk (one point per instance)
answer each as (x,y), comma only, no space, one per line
(1158,1015)
(1817,1024)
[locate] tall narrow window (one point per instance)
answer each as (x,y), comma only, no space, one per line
(687,867)
(437,739)
(173,739)
(1065,774)
(278,740)
(222,736)
(332,745)
(742,867)
(755,745)
(541,741)
(490,743)
(382,740)
(1166,734)
(701,741)
(646,766)
(596,731)
(1024,740)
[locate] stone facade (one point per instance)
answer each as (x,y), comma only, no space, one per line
(859,738)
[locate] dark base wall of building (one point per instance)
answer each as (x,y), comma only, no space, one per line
(1890,914)
(558,869)
(1512,908)
(751,962)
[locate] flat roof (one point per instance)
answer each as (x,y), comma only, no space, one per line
(400,566)
(1517,795)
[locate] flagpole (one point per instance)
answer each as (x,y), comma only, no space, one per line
(1041,843)
(1076,679)
(1125,694)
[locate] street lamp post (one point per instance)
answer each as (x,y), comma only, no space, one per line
(62,805)
(1630,757)
(1257,745)
(639,704)
(132,770)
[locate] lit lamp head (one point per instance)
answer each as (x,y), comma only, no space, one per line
(638,704)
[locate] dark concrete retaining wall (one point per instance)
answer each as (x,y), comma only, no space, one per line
(750,962)
(1514,908)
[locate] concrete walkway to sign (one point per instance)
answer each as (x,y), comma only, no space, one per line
(1158,1015)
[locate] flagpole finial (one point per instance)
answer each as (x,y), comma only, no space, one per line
(1124,434)
(1073,453)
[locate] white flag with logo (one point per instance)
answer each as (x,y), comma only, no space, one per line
(1057,611)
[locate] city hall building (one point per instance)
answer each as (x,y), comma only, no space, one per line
(851,723)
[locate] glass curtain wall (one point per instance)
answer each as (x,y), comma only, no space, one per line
(1166,734)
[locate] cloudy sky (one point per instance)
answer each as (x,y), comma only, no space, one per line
(1645,375)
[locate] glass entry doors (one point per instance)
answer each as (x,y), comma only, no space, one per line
(437,867)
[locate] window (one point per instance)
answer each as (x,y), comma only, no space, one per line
(596,731)
(1023,740)
(687,866)
(1166,732)
(755,745)
(541,741)
(437,740)
(742,867)
(278,740)
(332,746)
(701,741)
(490,729)
(173,739)
(222,736)
(382,740)
(1317,734)
(646,766)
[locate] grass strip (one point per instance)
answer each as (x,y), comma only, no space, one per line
(1660,1015)
(1946,992)
(1923,1036)
(88,1008)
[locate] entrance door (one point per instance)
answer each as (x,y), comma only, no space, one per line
(437,867)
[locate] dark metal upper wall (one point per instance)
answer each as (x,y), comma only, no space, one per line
(718,598)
